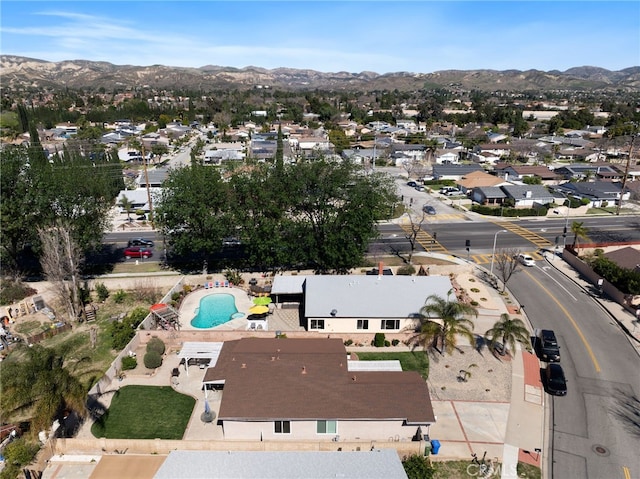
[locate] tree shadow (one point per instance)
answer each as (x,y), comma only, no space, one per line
(627,410)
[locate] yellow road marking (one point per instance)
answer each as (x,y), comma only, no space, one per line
(627,473)
(575,325)
(534,238)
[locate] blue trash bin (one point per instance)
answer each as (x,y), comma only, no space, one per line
(435,446)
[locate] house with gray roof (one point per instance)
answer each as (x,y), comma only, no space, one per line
(369,464)
(453,172)
(302,389)
(597,192)
(357,303)
(488,195)
(580,171)
(527,196)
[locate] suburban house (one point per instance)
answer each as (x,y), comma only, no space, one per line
(139,198)
(154,177)
(216,157)
(447,157)
(627,257)
(598,193)
(488,195)
(581,171)
(453,172)
(357,303)
(479,179)
(304,389)
(518,173)
(528,196)
(369,464)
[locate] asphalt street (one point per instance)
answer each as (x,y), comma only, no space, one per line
(593,434)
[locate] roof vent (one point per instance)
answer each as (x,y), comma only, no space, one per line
(273,358)
(244,365)
(334,312)
(354,378)
(304,370)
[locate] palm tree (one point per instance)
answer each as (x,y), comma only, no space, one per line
(126,205)
(508,331)
(447,324)
(39,384)
(579,231)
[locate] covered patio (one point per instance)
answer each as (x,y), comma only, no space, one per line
(205,354)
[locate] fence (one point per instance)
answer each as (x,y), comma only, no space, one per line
(36,338)
(164,446)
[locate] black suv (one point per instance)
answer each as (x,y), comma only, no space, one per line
(556,382)
(140,242)
(547,346)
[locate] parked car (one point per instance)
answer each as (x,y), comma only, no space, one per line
(140,242)
(446,189)
(555,380)
(231,241)
(137,252)
(419,187)
(547,347)
(412,184)
(428,209)
(526,260)
(453,192)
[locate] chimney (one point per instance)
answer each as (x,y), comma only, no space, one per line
(380,269)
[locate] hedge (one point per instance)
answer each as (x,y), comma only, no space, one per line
(509,212)
(156,344)
(152,360)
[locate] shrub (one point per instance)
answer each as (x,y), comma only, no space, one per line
(20,452)
(119,297)
(122,332)
(102,292)
(233,276)
(152,360)
(378,340)
(395,342)
(475,290)
(387,343)
(509,212)
(14,291)
(176,296)
(406,270)
(129,362)
(156,344)
(348,342)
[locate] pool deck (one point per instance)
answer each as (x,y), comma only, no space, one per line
(191,303)
(279,320)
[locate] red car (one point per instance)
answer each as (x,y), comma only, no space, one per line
(137,252)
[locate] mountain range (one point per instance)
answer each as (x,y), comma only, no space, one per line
(21,72)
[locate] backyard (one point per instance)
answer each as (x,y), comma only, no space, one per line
(145,412)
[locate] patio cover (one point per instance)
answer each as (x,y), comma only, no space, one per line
(199,350)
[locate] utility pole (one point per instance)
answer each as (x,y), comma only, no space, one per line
(146,180)
(626,173)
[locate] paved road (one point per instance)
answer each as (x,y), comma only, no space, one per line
(593,431)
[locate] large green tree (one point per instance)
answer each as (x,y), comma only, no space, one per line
(580,231)
(39,384)
(193,211)
(444,320)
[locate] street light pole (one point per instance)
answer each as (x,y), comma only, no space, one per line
(566,225)
(493,252)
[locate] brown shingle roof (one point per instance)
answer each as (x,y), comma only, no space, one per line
(308,379)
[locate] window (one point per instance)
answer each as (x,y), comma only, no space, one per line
(363,324)
(390,324)
(326,427)
(317,324)
(282,427)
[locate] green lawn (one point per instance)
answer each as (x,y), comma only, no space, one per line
(145,412)
(466,469)
(410,360)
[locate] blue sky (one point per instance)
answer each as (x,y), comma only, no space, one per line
(353,36)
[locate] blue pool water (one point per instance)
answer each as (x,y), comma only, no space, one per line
(214,310)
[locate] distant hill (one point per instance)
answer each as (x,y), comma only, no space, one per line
(27,72)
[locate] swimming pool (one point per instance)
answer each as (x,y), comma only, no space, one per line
(215,309)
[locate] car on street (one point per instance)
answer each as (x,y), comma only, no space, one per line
(556,383)
(137,252)
(412,184)
(428,209)
(140,242)
(419,187)
(526,260)
(446,189)
(547,347)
